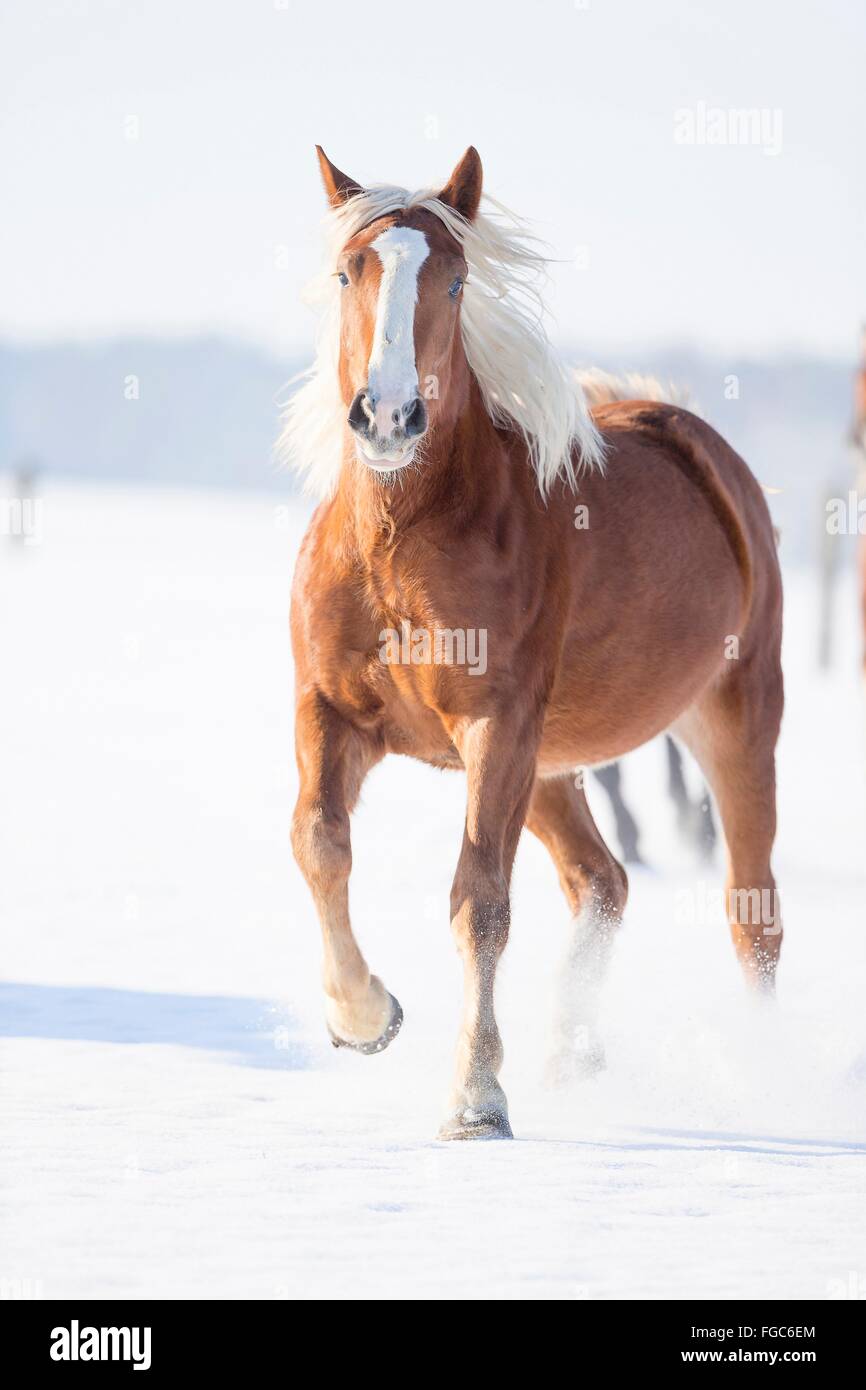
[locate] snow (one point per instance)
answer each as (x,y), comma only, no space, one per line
(176,1124)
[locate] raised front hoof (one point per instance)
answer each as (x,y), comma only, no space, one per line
(484,1123)
(379,1044)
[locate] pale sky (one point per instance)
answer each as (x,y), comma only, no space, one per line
(208,220)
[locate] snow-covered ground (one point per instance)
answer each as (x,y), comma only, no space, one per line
(176,1124)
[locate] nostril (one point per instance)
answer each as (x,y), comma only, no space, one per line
(358,416)
(395,417)
(416,418)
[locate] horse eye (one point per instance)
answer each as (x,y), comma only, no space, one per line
(343,278)
(455,287)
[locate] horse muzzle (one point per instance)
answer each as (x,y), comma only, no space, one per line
(387,434)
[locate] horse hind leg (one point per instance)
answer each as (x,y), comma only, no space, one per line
(732,731)
(596,888)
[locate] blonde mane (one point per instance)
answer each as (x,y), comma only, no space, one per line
(524,385)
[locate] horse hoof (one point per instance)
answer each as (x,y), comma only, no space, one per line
(378,1044)
(486,1123)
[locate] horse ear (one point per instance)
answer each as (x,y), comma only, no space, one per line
(463,190)
(338,186)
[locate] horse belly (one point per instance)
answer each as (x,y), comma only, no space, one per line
(618,689)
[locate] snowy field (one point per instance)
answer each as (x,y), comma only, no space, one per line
(175,1124)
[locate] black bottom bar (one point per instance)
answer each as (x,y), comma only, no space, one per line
(161,1339)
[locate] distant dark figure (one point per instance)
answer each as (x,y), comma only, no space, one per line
(626,825)
(695,821)
(694,818)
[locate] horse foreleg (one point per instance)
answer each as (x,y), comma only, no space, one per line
(333,759)
(499,758)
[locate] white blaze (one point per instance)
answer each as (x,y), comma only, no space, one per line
(392,377)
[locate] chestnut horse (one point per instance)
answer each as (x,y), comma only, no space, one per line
(617,568)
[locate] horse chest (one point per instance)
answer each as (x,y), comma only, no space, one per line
(423,671)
